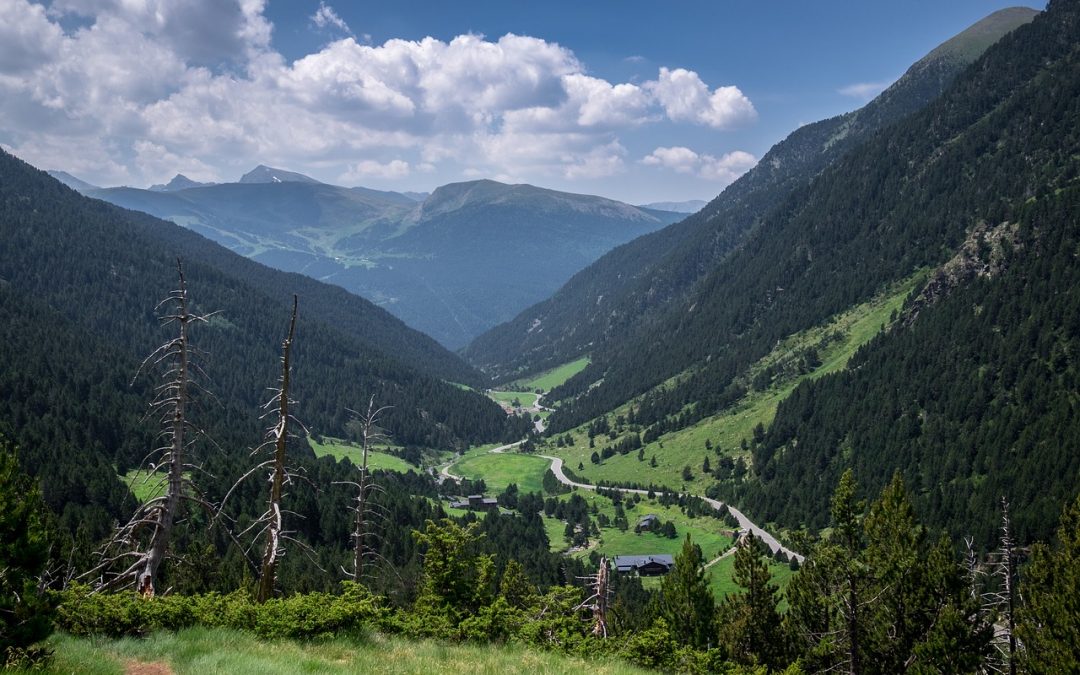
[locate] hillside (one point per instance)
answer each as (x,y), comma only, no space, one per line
(80,281)
(912,197)
(630,288)
(459,261)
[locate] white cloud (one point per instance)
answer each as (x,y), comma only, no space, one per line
(864,91)
(724,169)
(685,98)
(325,16)
(369,168)
(198,88)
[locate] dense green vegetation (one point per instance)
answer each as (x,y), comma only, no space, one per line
(628,292)
(920,193)
(549,379)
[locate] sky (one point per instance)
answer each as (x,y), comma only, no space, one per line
(633,100)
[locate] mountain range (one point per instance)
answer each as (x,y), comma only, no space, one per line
(452,263)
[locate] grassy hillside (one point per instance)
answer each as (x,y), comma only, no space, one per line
(727,433)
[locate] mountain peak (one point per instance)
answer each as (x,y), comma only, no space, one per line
(178,182)
(71,181)
(268,174)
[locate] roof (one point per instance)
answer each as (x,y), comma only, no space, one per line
(628,563)
(649,517)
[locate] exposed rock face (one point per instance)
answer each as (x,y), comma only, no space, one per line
(984,253)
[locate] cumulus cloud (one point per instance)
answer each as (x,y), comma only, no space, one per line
(198,87)
(369,168)
(685,98)
(864,91)
(325,16)
(724,169)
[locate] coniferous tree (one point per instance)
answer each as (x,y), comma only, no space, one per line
(25,613)
(1050,619)
(685,602)
(750,623)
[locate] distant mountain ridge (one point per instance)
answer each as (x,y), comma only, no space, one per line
(689,206)
(465,257)
(178,182)
(71,181)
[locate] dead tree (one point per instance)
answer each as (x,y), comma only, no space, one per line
(271,524)
(1004,599)
(600,599)
(140,557)
(364,510)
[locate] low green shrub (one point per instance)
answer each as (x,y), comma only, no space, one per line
(311,615)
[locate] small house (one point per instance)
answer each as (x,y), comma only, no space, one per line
(647,523)
(476,503)
(644,565)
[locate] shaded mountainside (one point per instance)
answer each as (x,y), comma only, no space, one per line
(454,264)
(915,196)
(79,281)
(629,289)
(976,399)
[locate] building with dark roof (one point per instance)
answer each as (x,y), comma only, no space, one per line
(477,503)
(644,565)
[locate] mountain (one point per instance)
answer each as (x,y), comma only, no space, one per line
(632,286)
(969,389)
(71,181)
(690,206)
(466,257)
(268,174)
(79,283)
(178,182)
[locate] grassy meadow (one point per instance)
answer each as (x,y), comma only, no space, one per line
(378,457)
(549,379)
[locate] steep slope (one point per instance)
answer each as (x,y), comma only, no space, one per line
(466,257)
(975,399)
(632,285)
(917,195)
(347,349)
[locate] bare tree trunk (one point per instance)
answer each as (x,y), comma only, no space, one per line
(159,514)
(278,475)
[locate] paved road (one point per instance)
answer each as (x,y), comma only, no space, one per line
(744,522)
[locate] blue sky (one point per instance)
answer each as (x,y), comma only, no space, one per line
(640,101)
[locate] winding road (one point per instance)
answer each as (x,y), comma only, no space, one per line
(744,522)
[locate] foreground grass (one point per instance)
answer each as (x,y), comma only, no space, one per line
(203,650)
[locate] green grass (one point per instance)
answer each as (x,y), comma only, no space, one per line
(722,580)
(198,651)
(378,458)
(526,398)
(728,429)
(146,485)
(501,469)
(549,379)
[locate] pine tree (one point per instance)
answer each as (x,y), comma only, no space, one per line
(685,600)
(750,622)
(1050,619)
(25,613)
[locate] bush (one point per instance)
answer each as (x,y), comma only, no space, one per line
(298,616)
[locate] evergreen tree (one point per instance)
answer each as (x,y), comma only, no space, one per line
(685,600)
(1050,621)
(25,613)
(750,625)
